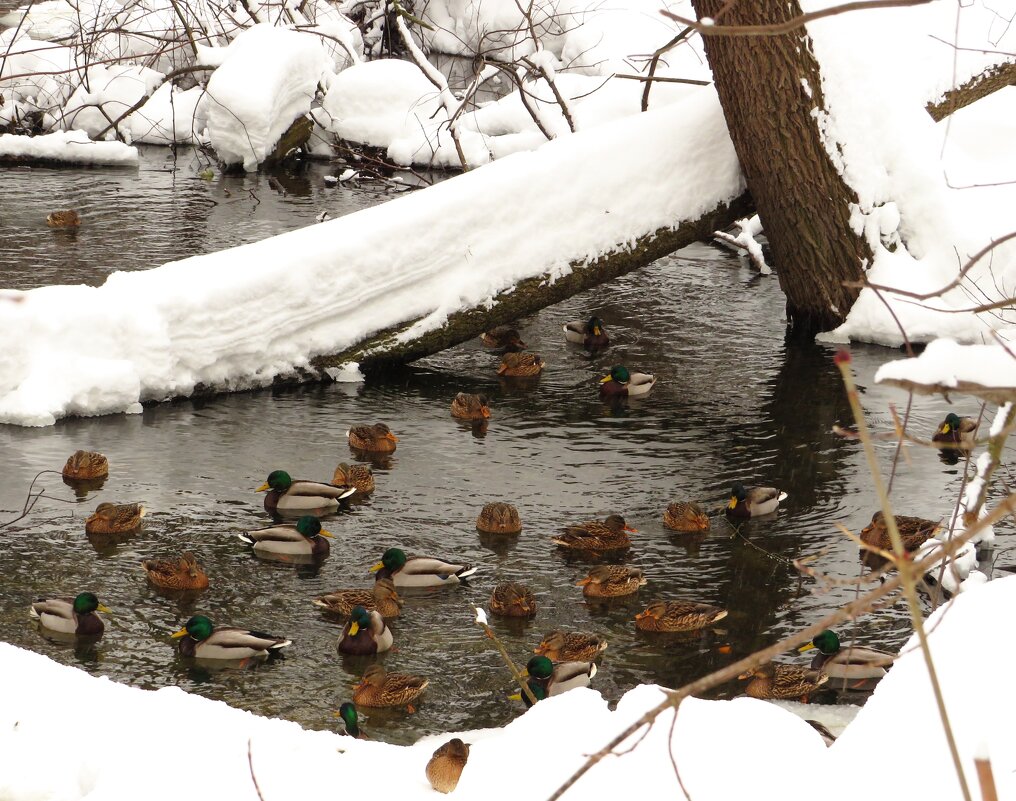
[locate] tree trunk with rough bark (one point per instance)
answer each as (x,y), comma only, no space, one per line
(769,87)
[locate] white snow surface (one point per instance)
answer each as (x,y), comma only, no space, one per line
(69,147)
(267,80)
(946,362)
(239,317)
(724,749)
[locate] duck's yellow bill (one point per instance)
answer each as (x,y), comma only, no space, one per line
(263,487)
(946,428)
(516,697)
(804,648)
(325,533)
(103,608)
(732,502)
(176,635)
(605,379)
(353,628)
(377,567)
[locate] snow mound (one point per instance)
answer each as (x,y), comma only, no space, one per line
(69,147)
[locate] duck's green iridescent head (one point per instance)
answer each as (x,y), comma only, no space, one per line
(738,491)
(310,527)
(540,667)
(393,559)
(952,423)
(86,602)
(359,618)
(348,714)
(198,627)
(827,642)
(278,480)
(620,374)
(538,690)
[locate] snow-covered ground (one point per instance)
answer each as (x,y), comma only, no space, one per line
(65,735)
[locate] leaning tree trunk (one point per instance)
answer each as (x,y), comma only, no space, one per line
(769,87)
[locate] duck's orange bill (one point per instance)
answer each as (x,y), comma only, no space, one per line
(263,487)
(584,582)
(633,530)
(391,436)
(732,502)
(641,615)
(324,533)
(485,412)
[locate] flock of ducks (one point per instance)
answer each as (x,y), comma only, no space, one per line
(563,659)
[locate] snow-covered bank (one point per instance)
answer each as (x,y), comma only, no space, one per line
(65,735)
(67,147)
(240,317)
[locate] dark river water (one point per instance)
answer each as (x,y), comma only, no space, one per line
(733,402)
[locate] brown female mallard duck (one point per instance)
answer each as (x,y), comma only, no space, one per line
(288,496)
(612,581)
(499,518)
(359,476)
(571,646)
(588,333)
(914,531)
(68,218)
(74,616)
(678,616)
(956,432)
(182,573)
(470,407)
(753,501)
(503,336)
(365,633)
(115,518)
(610,535)
(419,571)
(776,680)
(445,766)
(382,596)
(521,365)
(305,538)
(854,662)
(624,384)
(686,516)
(378,688)
(86,466)
(377,438)
(512,599)
(201,640)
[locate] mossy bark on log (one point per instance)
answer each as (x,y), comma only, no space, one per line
(989,81)
(532,294)
(295,137)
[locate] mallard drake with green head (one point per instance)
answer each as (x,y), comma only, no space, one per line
(75,616)
(365,633)
(181,573)
(287,496)
(914,532)
(956,432)
(382,596)
(589,333)
(201,640)
(521,365)
(471,407)
(351,722)
(686,516)
(753,501)
(499,518)
(612,581)
(678,616)
(511,599)
(377,438)
(304,538)
(775,680)
(571,646)
(445,766)
(86,466)
(378,688)
(503,336)
(358,476)
(546,678)
(622,383)
(115,518)
(419,571)
(854,662)
(610,535)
